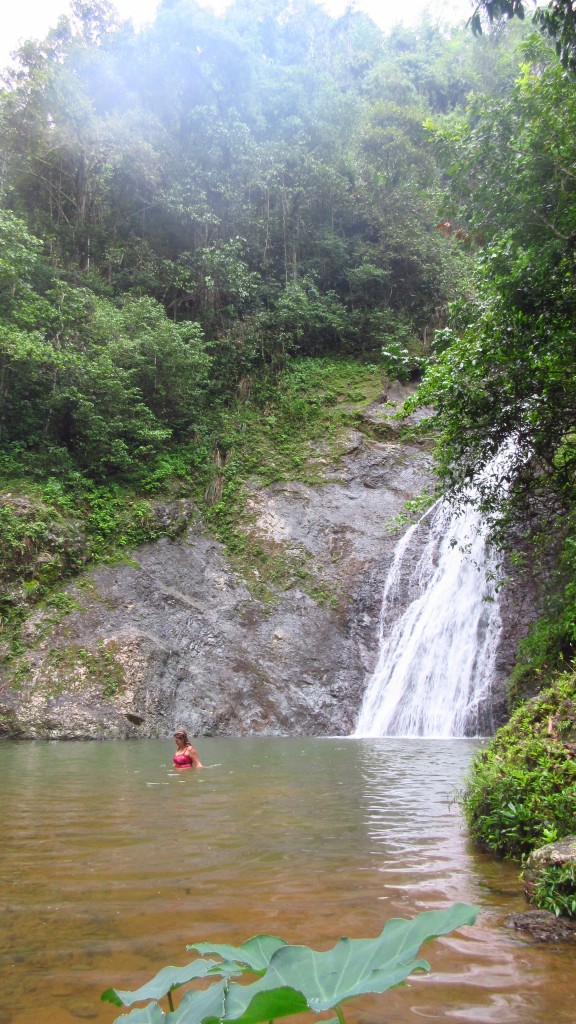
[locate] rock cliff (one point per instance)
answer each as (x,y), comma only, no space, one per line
(175,637)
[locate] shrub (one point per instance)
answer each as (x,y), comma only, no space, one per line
(555,889)
(521,792)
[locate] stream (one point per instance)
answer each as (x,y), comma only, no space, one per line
(111,861)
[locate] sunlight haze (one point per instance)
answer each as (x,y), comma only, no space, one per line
(31,19)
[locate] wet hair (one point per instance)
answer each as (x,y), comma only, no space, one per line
(181,735)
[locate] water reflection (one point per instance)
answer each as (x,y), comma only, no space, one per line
(111,862)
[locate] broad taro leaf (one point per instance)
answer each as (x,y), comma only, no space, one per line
(352,967)
(151,1014)
(268,1006)
(256,952)
(198,1006)
(194,1007)
(166,980)
(229,969)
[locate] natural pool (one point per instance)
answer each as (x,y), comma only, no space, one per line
(110,862)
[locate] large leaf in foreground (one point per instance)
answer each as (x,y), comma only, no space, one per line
(151,1014)
(265,1006)
(352,967)
(194,1007)
(297,978)
(256,952)
(167,979)
(198,1006)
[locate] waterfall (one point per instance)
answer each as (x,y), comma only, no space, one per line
(439,628)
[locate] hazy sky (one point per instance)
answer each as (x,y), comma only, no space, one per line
(30,19)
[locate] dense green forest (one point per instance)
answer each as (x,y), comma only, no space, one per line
(204,220)
(186,212)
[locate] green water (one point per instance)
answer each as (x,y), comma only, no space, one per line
(111,861)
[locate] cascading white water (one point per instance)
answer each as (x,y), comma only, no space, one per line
(439,628)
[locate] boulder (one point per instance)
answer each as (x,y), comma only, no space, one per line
(542,926)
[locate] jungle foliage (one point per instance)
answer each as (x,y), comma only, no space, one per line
(555,889)
(556,19)
(502,381)
(185,211)
(521,793)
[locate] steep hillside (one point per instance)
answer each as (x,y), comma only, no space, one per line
(275,634)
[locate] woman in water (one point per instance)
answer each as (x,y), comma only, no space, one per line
(185,756)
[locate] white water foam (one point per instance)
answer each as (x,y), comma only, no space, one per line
(439,627)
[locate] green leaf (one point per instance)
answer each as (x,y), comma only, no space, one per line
(256,952)
(162,983)
(151,1014)
(293,978)
(230,969)
(109,996)
(268,1005)
(353,967)
(199,1006)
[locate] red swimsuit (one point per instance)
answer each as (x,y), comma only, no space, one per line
(182,760)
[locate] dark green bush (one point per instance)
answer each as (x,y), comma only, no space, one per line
(555,890)
(521,792)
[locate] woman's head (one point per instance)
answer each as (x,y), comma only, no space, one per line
(181,738)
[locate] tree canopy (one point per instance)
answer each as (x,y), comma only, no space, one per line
(557,20)
(211,192)
(506,365)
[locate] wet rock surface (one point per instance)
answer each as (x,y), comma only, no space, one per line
(175,637)
(542,926)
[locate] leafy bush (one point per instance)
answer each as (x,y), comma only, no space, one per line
(307,320)
(522,789)
(288,979)
(555,890)
(397,361)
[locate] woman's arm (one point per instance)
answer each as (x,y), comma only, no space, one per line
(192,754)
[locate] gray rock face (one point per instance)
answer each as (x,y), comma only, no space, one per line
(176,639)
